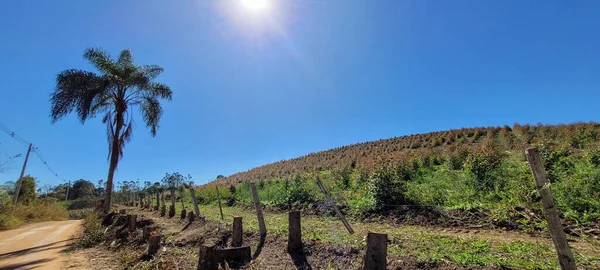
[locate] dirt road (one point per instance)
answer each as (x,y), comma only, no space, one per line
(37,245)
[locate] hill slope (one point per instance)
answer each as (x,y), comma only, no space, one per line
(364,155)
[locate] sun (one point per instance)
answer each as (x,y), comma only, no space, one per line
(255,5)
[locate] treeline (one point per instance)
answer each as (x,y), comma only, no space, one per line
(364,155)
(480,169)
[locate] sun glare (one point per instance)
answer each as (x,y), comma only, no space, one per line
(255,5)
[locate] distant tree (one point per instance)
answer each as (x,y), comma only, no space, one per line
(114,92)
(58,192)
(81,189)
(27,191)
(172,182)
(100,188)
(6,192)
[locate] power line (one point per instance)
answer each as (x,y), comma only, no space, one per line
(35,149)
(37,152)
(13,135)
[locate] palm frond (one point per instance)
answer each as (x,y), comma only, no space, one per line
(161,90)
(125,58)
(102,103)
(75,90)
(151,112)
(125,137)
(101,60)
(151,71)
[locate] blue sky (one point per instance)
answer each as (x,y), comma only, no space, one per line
(304,75)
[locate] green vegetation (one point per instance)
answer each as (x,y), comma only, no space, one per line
(512,251)
(481,169)
(94,234)
(120,86)
(30,209)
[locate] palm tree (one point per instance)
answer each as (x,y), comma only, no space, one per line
(119,86)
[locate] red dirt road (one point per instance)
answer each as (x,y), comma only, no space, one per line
(36,246)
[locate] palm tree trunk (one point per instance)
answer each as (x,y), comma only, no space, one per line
(114,160)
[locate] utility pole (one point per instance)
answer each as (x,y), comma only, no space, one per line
(18,189)
(68,186)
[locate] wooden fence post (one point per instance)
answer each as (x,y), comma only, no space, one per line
(376,255)
(195,202)
(219,200)
(294,232)
(259,214)
(237,232)
(337,211)
(565,256)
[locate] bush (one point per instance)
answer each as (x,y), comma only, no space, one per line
(387,187)
(80,213)
(297,192)
(94,234)
(83,203)
(481,163)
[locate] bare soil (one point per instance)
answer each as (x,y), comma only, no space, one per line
(37,245)
(182,241)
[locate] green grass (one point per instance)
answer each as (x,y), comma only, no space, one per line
(416,241)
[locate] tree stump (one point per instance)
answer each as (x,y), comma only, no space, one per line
(146,233)
(163,210)
(153,244)
(210,257)
(376,256)
(183,214)
(295,232)
(108,219)
(132,219)
(191,217)
(121,220)
(237,232)
(205,258)
(171,211)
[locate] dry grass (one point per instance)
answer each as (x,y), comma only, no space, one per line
(38,211)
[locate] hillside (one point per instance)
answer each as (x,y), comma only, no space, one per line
(363,155)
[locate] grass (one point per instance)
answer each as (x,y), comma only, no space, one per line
(423,243)
(37,211)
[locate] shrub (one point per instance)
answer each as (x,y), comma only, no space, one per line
(481,163)
(83,203)
(94,234)
(387,187)
(297,191)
